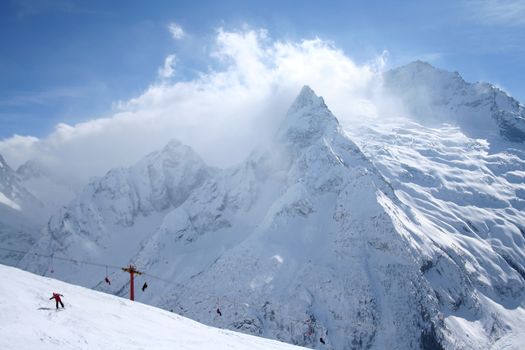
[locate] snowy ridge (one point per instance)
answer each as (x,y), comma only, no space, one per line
(20,214)
(28,197)
(292,263)
(112,215)
(94,320)
(14,195)
(297,237)
(435,96)
(50,191)
(467,227)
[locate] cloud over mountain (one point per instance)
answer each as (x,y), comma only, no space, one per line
(222,112)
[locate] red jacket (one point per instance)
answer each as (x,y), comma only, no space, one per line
(56,296)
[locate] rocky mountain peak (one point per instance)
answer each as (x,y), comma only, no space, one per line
(307,120)
(433,96)
(307,99)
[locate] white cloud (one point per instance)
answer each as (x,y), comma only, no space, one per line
(167,70)
(223,113)
(176,31)
(18,149)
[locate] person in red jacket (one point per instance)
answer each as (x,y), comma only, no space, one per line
(57,296)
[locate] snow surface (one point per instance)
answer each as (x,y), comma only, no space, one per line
(94,320)
(21,215)
(8,202)
(293,244)
(28,197)
(411,237)
(466,227)
(112,215)
(434,96)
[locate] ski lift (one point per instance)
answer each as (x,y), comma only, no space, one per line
(218,309)
(144,286)
(324,335)
(106,279)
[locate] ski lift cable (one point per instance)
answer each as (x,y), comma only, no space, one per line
(103,265)
(54,257)
(76,261)
(176,284)
(106,266)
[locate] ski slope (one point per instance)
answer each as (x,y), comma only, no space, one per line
(94,320)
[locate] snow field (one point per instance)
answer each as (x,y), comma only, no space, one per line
(95,320)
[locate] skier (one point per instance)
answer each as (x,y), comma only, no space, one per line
(144,286)
(107,280)
(322,341)
(57,296)
(219,312)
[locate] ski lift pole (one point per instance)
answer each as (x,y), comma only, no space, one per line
(132,270)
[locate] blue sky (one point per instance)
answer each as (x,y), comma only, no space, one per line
(69,61)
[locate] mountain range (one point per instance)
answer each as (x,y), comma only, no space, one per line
(399,233)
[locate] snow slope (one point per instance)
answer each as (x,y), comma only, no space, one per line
(460,171)
(319,257)
(20,217)
(94,320)
(112,215)
(433,96)
(296,243)
(467,224)
(412,240)
(28,197)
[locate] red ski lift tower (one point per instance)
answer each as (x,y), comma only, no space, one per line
(132,270)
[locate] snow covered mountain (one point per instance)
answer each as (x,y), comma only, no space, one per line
(412,240)
(20,218)
(111,216)
(466,196)
(50,191)
(296,245)
(28,197)
(93,320)
(466,226)
(435,96)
